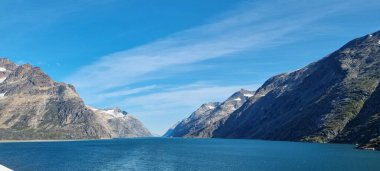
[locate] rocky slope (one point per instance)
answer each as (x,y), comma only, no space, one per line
(33,106)
(205,119)
(120,123)
(365,128)
(332,100)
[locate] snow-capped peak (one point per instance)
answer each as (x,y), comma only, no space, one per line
(115,113)
(248,95)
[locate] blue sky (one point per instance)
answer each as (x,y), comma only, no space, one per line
(160,60)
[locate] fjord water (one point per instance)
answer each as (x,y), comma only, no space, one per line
(185,154)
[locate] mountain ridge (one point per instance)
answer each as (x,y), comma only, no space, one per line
(315,103)
(330,100)
(33,106)
(201,123)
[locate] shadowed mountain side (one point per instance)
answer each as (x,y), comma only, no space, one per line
(314,103)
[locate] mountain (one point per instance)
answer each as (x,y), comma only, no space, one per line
(33,106)
(205,119)
(120,123)
(365,128)
(335,99)
(169,132)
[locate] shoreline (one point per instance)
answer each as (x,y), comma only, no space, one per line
(60,140)
(63,140)
(76,140)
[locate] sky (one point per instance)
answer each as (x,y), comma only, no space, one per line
(160,60)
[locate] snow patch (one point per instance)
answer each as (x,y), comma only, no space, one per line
(211,107)
(378,42)
(237,99)
(114,113)
(2,69)
(2,95)
(2,79)
(370,35)
(109,112)
(248,95)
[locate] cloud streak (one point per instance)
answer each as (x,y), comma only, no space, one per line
(247,28)
(252,26)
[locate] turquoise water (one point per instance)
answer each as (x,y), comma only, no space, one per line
(185,154)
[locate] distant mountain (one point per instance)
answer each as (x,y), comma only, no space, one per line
(120,123)
(33,106)
(169,132)
(335,99)
(205,119)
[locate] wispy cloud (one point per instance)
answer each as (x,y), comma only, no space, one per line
(122,93)
(252,26)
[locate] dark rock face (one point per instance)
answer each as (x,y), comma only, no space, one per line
(364,128)
(33,106)
(205,119)
(373,144)
(333,99)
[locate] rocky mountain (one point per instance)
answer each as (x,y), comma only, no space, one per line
(335,99)
(365,127)
(120,123)
(33,106)
(205,119)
